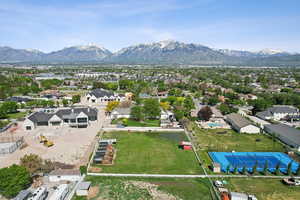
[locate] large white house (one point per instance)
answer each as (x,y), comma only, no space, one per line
(279,112)
(241,124)
(73,117)
(100,95)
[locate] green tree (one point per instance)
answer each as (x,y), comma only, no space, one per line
(136,113)
(254,168)
(13,179)
(32,162)
(179,114)
(75,99)
(65,102)
(51,83)
(235,170)
(298,171)
(266,166)
(228,169)
(244,170)
(188,105)
(151,108)
(10,107)
(205,113)
(277,169)
(289,168)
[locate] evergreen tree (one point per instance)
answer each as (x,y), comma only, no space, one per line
(254,169)
(235,169)
(244,170)
(277,169)
(228,169)
(289,168)
(266,167)
(298,171)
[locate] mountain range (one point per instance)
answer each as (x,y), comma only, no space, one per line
(163,52)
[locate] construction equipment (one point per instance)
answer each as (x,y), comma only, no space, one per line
(45,141)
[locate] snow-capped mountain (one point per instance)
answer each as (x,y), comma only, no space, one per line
(8,54)
(79,53)
(167,51)
(163,52)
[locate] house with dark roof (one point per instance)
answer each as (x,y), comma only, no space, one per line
(101,95)
(285,133)
(241,124)
(74,117)
(278,112)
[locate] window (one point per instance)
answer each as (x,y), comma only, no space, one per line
(28,127)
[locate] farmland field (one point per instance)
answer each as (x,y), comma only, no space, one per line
(151,152)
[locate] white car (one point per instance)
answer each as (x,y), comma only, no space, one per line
(252,197)
(218,184)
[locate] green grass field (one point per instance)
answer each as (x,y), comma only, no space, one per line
(146,123)
(114,188)
(151,152)
(17,115)
(264,189)
(208,140)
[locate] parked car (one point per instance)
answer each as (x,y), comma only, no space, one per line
(218,183)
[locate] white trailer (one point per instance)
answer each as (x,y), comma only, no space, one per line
(60,193)
(39,194)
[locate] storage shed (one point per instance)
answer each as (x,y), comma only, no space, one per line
(83,188)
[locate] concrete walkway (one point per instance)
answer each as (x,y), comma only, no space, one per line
(186,176)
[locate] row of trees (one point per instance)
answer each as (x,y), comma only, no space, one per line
(7,108)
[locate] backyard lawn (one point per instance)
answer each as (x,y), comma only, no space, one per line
(146,123)
(151,152)
(17,115)
(209,140)
(134,188)
(266,189)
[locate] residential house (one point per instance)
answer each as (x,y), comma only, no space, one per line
(79,117)
(121,113)
(278,112)
(241,124)
(285,133)
(100,95)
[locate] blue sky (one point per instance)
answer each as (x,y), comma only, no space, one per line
(50,25)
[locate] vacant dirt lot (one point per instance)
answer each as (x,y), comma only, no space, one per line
(71,145)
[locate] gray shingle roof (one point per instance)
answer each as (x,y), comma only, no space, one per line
(238,120)
(40,117)
(284,131)
(66,113)
(101,93)
(277,109)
